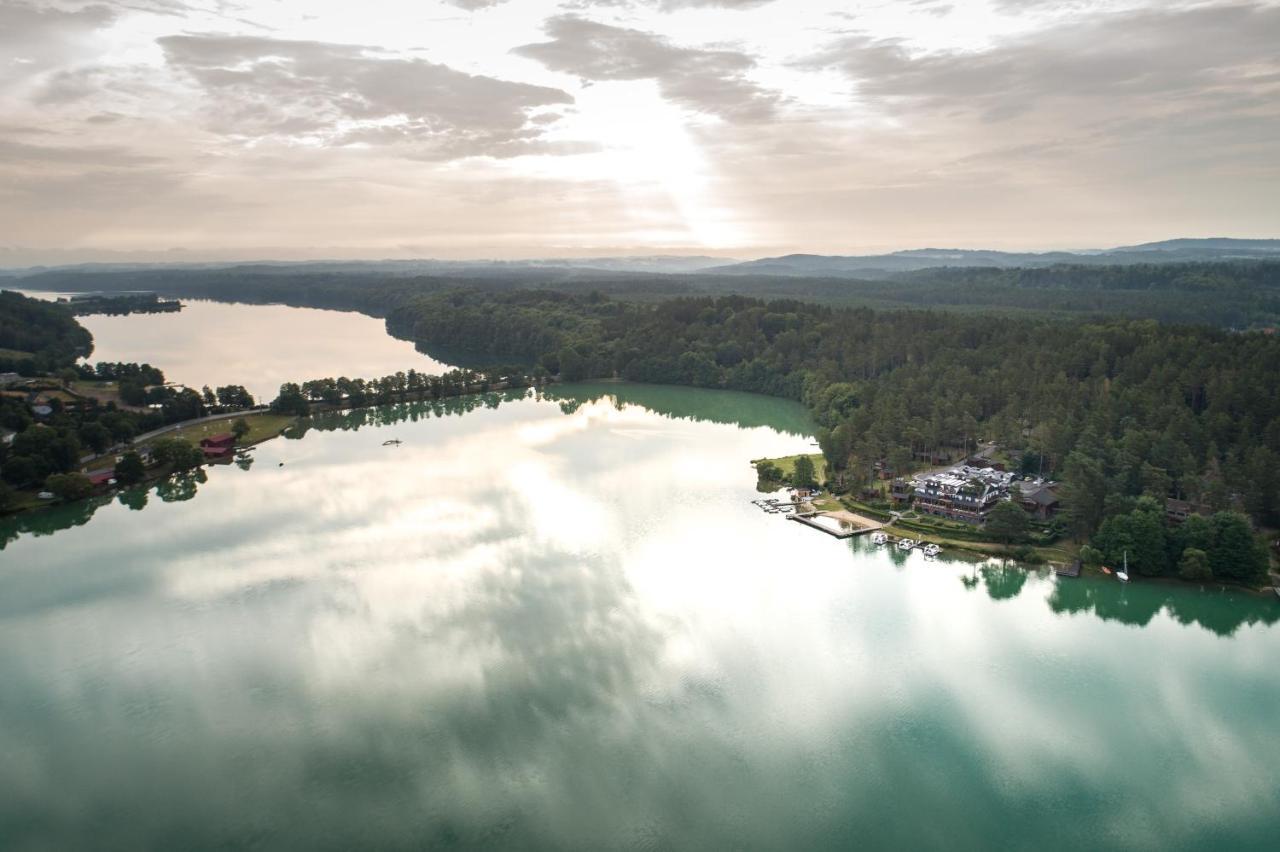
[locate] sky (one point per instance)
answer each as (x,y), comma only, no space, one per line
(220,130)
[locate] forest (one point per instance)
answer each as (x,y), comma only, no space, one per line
(37,335)
(1118,410)
(1239,294)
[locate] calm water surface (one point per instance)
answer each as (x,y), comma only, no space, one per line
(258,346)
(560,624)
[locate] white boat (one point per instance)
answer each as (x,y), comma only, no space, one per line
(906,544)
(1123,573)
(932,550)
(879,538)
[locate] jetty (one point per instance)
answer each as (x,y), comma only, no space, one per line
(840,524)
(1067,569)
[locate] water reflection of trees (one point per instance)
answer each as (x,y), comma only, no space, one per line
(412,412)
(682,403)
(65,516)
(51,520)
(1003,581)
(1221,611)
(677,403)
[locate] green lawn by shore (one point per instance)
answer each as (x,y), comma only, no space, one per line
(261,427)
(787,464)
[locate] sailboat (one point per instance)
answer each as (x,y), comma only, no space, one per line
(1123,573)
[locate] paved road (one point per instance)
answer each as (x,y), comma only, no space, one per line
(164,430)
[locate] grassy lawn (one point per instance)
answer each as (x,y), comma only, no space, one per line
(787,464)
(261,427)
(101,391)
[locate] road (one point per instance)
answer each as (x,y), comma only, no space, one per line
(164,430)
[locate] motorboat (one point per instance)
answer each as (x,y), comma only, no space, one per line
(906,544)
(932,550)
(879,538)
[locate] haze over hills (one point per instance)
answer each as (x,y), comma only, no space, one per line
(884,265)
(1184,250)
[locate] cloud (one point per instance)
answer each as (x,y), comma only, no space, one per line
(664,5)
(340,94)
(35,37)
(709,81)
(1134,56)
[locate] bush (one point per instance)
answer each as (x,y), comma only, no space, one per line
(69,486)
(130,469)
(1027,554)
(177,453)
(1194,565)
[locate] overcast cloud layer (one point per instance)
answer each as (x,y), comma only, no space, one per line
(465,128)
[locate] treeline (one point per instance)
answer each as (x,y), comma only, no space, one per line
(55,444)
(330,394)
(1197,550)
(1117,409)
(1230,295)
(38,335)
(1240,294)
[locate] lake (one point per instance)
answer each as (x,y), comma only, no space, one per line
(258,346)
(560,623)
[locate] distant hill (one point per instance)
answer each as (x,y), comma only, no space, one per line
(889,265)
(654,264)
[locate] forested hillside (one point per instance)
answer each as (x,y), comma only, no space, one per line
(49,333)
(1117,409)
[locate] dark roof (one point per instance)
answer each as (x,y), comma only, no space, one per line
(102,477)
(225,439)
(217,451)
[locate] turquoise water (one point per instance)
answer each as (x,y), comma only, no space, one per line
(559,623)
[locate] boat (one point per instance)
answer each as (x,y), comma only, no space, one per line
(394,442)
(932,550)
(1123,573)
(906,544)
(879,538)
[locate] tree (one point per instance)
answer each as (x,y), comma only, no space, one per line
(1195,532)
(803,476)
(1007,522)
(1149,556)
(291,401)
(22,471)
(573,367)
(767,471)
(69,486)
(7,494)
(96,436)
(177,453)
(1084,492)
(240,428)
(130,469)
(1194,565)
(1236,552)
(1091,555)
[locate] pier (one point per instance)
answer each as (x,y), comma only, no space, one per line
(1070,569)
(846,524)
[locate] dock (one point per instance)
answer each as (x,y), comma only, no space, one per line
(1068,570)
(857,525)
